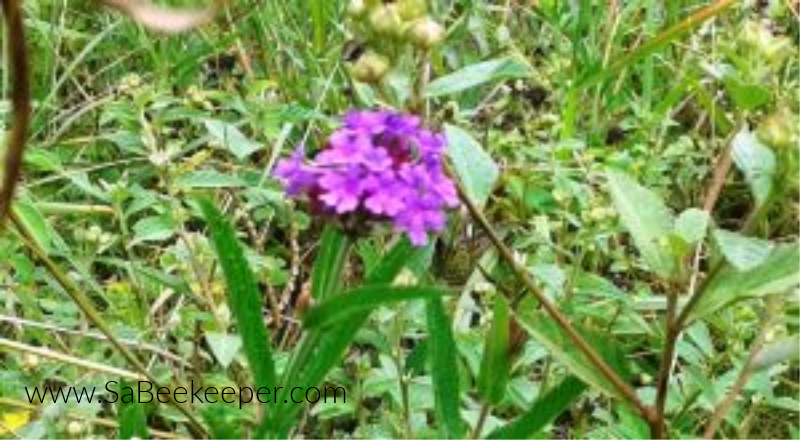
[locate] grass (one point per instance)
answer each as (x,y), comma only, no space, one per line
(108,239)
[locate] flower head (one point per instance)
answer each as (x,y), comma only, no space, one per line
(379,166)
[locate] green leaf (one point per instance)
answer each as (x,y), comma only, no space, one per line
(757,163)
(475,75)
(475,168)
(692,225)
(785,350)
(132,418)
(444,370)
(326,274)
(777,274)
(341,307)
(155,228)
(742,252)
(233,139)
(321,349)
(543,411)
(561,347)
(225,346)
(37,225)
(208,179)
(647,219)
(746,96)
(495,364)
(244,297)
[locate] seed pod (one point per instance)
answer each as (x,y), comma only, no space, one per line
(426,33)
(370,68)
(385,19)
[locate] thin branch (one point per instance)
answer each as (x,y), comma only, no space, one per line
(83,302)
(524,276)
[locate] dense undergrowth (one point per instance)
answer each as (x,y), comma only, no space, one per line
(630,154)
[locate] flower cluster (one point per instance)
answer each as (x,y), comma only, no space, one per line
(379,166)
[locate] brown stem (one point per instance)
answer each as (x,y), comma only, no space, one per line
(476,433)
(675,322)
(722,408)
(20,104)
(657,427)
(524,276)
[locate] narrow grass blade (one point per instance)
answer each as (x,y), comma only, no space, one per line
(328,265)
(342,307)
(132,418)
(321,349)
(243,296)
(493,376)
(660,40)
(543,411)
(444,370)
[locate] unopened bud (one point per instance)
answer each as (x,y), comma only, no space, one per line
(426,33)
(778,129)
(370,68)
(411,10)
(385,19)
(75,428)
(357,8)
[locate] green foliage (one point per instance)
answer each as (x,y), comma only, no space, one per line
(538,101)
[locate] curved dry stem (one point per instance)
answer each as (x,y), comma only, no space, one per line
(20,103)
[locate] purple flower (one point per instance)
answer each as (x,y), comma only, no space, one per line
(341,191)
(297,176)
(380,166)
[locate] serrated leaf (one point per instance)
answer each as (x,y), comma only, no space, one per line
(233,139)
(777,274)
(495,364)
(692,225)
(225,346)
(444,370)
(647,219)
(757,163)
(743,252)
(543,411)
(339,308)
(476,170)
(479,74)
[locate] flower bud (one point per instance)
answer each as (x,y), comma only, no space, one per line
(370,68)
(357,8)
(385,19)
(778,129)
(426,33)
(75,428)
(411,10)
